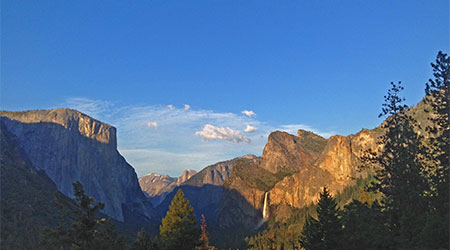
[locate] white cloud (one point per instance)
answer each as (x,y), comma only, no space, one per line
(249,113)
(152,124)
(250,129)
(170,106)
(293,128)
(187,107)
(93,108)
(210,132)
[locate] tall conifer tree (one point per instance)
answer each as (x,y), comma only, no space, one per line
(324,232)
(438,97)
(400,176)
(179,228)
(363,227)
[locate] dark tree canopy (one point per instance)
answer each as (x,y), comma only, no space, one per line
(143,242)
(87,231)
(438,97)
(400,176)
(323,232)
(363,227)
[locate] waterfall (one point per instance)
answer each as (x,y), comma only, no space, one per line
(265,212)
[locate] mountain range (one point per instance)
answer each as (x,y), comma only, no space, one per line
(54,148)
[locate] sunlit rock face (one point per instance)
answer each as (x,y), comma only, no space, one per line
(289,153)
(336,167)
(342,155)
(70,146)
(301,188)
(338,159)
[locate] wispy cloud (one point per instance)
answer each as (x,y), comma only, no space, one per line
(210,132)
(164,139)
(88,106)
(250,129)
(249,113)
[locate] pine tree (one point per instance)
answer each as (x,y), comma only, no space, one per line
(438,97)
(363,227)
(107,237)
(179,228)
(399,175)
(204,236)
(325,231)
(143,241)
(87,231)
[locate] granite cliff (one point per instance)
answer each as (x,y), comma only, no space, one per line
(26,197)
(337,166)
(70,146)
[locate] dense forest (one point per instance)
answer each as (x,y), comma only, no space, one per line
(403,204)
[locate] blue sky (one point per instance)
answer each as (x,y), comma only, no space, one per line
(319,65)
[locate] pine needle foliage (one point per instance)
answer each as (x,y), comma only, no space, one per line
(179,228)
(324,232)
(438,97)
(88,231)
(400,175)
(143,241)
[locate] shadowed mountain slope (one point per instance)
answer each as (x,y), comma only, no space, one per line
(70,146)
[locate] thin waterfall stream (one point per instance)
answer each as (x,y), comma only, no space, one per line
(265,212)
